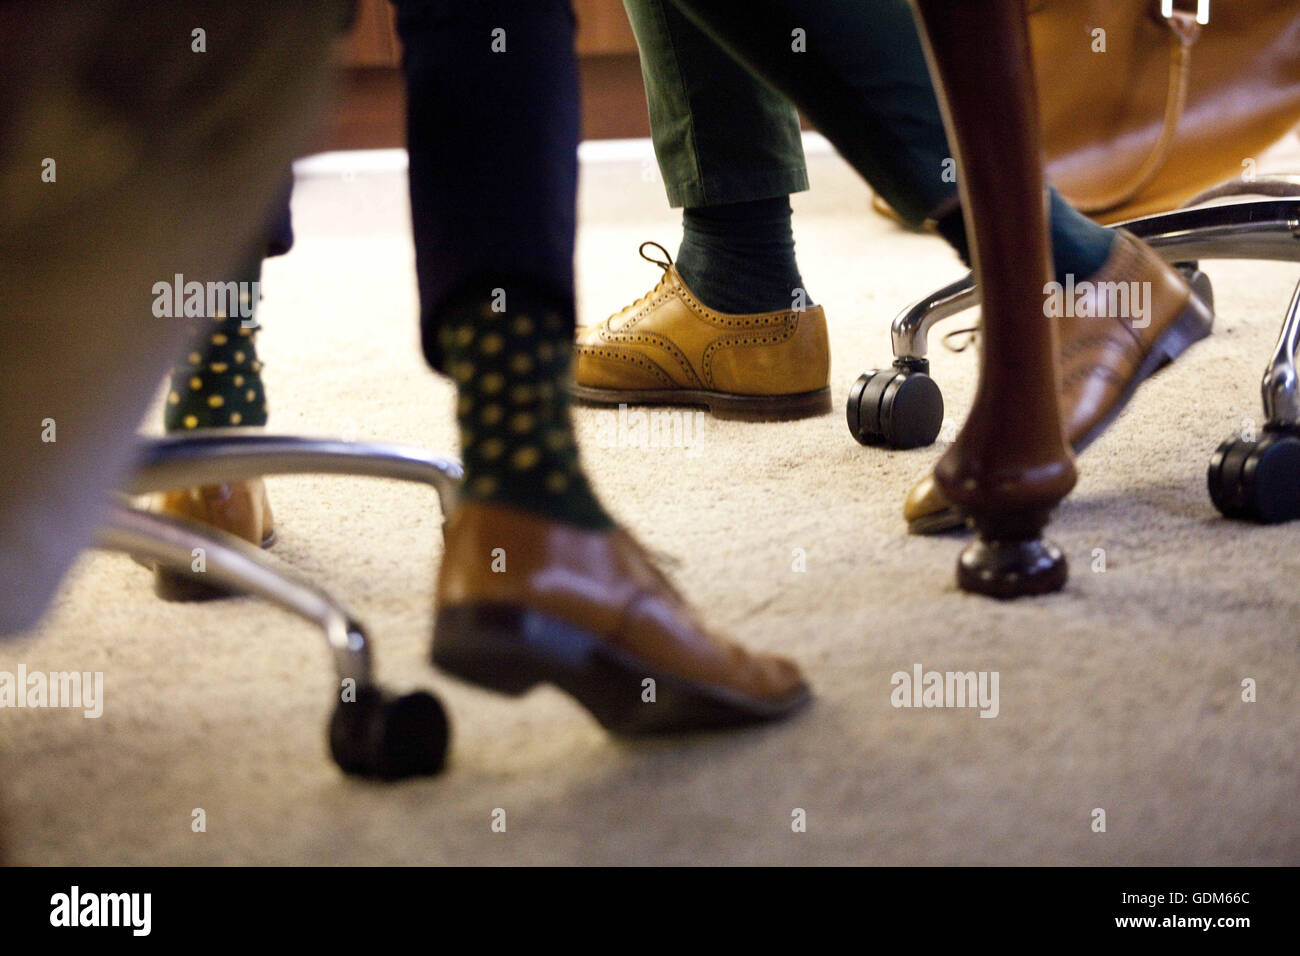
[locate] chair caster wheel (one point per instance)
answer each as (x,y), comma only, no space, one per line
(899,407)
(1257,480)
(389,738)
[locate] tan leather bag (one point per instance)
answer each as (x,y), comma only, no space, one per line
(1142,106)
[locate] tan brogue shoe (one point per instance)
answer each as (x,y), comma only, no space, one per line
(240,508)
(1132,317)
(669,348)
(524,599)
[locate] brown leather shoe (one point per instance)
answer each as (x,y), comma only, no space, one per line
(1103,359)
(524,600)
(240,508)
(669,348)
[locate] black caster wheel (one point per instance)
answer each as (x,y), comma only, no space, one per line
(1257,480)
(1198,280)
(899,407)
(389,738)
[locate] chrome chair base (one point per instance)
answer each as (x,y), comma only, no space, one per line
(902,407)
(1267,229)
(372,733)
(1255,474)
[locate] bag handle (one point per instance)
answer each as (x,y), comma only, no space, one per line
(1184,28)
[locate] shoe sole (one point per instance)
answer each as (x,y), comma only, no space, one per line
(1192,325)
(723,405)
(509,649)
(186,587)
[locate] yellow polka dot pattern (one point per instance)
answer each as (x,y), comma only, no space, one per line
(218,382)
(511,373)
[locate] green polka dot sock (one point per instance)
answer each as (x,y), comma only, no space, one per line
(511,368)
(218,384)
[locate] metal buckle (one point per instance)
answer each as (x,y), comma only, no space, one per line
(1202,10)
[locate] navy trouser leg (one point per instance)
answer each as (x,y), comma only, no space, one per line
(492,132)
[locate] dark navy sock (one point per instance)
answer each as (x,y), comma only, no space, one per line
(1079,245)
(739,257)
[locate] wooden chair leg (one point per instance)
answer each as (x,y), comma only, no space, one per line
(1010,465)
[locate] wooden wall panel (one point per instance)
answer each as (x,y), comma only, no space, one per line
(368,112)
(373,39)
(603,27)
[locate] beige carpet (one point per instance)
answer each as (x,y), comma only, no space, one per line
(1123,693)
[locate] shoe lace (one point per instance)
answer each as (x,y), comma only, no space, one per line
(663,264)
(950,339)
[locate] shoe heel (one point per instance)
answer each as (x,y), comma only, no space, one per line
(179,587)
(511,649)
(484,645)
(1194,324)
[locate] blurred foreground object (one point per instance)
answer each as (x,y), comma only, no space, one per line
(135,143)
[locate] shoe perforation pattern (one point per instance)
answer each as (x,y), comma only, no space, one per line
(786,333)
(663,342)
(622,355)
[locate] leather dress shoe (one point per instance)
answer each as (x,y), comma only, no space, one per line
(588,612)
(1103,358)
(669,348)
(239,508)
